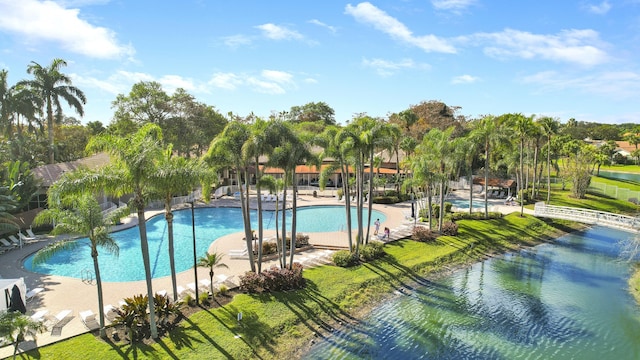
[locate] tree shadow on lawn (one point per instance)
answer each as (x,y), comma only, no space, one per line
(186,340)
(249,330)
(298,304)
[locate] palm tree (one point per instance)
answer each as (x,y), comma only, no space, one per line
(8,204)
(177,176)
(487,132)
(523,126)
(211,261)
(226,151)
(549,128)
(51,85)
(80,215)
(330,141)
(440,154)
(291,152)
(135,162)
(15,327)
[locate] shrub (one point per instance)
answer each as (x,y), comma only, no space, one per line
(269,248)
(302,240)
(189,300)
(345,258)
(423,234)
(386,199)
(340,193)
(476,215)
(203,297)
(372,251)
(450,228)
(273,279)
(223,289)
(166,310)
(447,207)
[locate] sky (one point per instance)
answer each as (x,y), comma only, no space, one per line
(561,58)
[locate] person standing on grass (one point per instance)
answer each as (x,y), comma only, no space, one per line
(377,224)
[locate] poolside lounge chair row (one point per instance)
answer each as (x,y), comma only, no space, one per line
(17,241)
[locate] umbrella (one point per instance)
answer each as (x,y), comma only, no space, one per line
(16,301)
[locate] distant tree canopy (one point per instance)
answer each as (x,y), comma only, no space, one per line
(312,112)
(186,123)
(421,118)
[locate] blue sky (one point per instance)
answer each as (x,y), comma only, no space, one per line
(560,58)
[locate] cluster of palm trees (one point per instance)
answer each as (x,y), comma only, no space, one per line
(143,167)
(26,102)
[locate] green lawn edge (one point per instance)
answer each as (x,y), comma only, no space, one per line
(278,325)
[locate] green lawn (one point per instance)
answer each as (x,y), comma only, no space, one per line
(274,325)
(622,168)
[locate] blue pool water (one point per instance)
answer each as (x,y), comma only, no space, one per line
(464,204)
(211,224)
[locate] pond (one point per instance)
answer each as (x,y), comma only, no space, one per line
(566,300)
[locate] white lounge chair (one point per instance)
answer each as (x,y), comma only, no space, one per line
(59,321)
(205,284)
(162,292)
(31,234)
(39,315)
(33,292)
(88,318)
(15,240)
(6,244)
(110,312)
(238,253)
(26,239)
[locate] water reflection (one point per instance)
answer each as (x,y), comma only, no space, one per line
(558,301)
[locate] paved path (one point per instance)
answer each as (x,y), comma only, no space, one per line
(64,293)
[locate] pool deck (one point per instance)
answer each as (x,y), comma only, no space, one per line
(65,293)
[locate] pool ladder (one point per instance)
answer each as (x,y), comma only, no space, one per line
(87,276)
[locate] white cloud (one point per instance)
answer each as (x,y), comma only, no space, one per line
(229,81)
(38,21)
(599,9)
(321,24)
(121,82)
(276,32)
(453,5)
(369,14)
(277,76)
(172,82)
(387,68)
(235,41)
(268,82)
(612,84)
(464,79)
(581,47)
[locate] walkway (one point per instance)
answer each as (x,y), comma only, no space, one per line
(594,217)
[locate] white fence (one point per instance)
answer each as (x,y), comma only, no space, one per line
(615,191)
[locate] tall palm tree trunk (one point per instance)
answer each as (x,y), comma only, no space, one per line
(294,216)
(344,170)
(486,181)
(260,225)
(144,245)
(168,215)
(520,184)
(548,169)
(284,223)
(244,206)
(50,129)
(96,269)
(370,196)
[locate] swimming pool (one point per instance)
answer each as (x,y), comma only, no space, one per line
(211,224)
(464,204)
